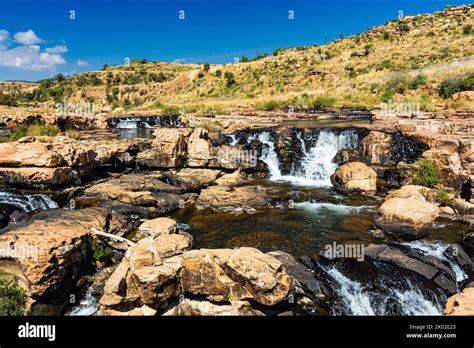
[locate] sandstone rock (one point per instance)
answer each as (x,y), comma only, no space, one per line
(33,154)
(462,206)
(28,176)
(461,304)
(376,147)
(239,199)
(409,191)
(168,148)
(354,177)
(190,179)
(52,249)
(188,307)
(232,179)
(408,218)
(199,148)
(156,227)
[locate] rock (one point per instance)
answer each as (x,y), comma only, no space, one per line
(407,218)
(34,154)
(354,177)
(377,233)
(232,179)
(377,147)
(191,179)
(52,250)
(428,267)
(446,210)
(468,243)
(199,148)
(239,199)
(168,148)
(28,176)
(260,274)
(188,307)
(141,311)
(305,280)
(347,155)
(463,207)
(409,191)
(461,304)
(465,95)
(156,227)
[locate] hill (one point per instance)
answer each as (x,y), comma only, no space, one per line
(423,60)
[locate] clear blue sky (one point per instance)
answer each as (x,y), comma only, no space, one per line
(38,39)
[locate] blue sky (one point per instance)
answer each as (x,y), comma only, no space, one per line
(38,38)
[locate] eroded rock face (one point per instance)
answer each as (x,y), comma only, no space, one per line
(191,179)
(199,148)
(407,218)
(27,176)
(354,177)
(461,304)
(169,148)
(50,251)
(34,154)
(239,199)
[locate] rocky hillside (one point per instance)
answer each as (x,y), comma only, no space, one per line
(424,60)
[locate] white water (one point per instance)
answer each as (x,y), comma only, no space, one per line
(88,306)
(324,207)
(317,164)
(357,298)
(132,123)
(28,203)
(437,250)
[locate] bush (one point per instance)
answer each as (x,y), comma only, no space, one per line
(418,81)
(170,110)
(12,297)
(7,100)
(426,173)
(467,29)
(230,79)
(444,198)
(101,253)
(456,84)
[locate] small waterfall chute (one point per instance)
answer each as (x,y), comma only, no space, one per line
(27,203)
(87,307)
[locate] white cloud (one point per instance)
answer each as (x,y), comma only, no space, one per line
(57,49)
(30,57)
(81,62)
(27,37)
(3,35)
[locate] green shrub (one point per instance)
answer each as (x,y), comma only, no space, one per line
(12,297)
(268,105)
(7,100)
(456,84)
(170,110)
(418,81)
(230,79)
(443,197)
(467,29)
(101,253)
(425,173)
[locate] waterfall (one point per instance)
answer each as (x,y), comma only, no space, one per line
(437,249)
(88,306)
(357,299)
(316,166)
(133,123)
(27,203)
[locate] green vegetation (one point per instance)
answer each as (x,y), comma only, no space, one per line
(8,100)
(444,198)
(12,296)
(467,29)
(230,78)
(100,253)
(456,84)
(425,173)
(33,130)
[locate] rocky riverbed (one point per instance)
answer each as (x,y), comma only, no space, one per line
(260,218)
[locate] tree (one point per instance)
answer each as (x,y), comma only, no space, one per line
(59,78)
(207,67)
(144,61)
(229,78)
(244,59)
(105,67)
(218,73)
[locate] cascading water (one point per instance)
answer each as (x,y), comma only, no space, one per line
(316,165)
(88,306)
(27,203)
(132,123)
(438,249)
(357,299)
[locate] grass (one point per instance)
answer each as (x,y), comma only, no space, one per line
(444,198)
(12,297)
(33,130)
(100,253)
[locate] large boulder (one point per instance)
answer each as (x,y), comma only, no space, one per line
(156,227)
(199,148)
(188,307)
(34,154)
(48,252)
(461,304)
(377,147)
(407,218)
(354,177)
(238,199)
(168,149)
(28,176)
(193,179)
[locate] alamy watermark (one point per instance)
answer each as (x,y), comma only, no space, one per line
(18,250)
(80,109)
(344,251)
(238,156)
